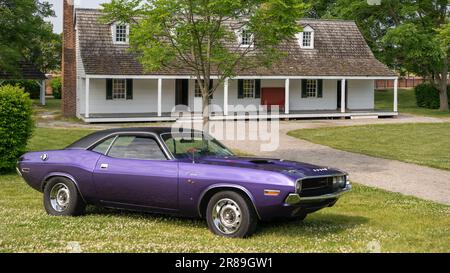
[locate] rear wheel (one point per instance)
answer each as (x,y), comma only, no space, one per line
(299,217)
(229,214)
(61,198)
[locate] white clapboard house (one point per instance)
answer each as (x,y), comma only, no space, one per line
(329,71)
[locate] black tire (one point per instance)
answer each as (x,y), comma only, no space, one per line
(248,218)
(75,205)
(300,217)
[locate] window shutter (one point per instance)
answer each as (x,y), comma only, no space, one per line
(211,82)
(257,89)
(109,84)
(129,89)
(304,95)
(240,89)
(319,88)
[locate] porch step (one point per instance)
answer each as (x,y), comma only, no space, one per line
(364,117)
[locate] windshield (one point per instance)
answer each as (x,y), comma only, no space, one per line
(189,145)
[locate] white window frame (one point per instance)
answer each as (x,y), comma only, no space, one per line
(241,38)
(300,37)
(248,89)
(312,89)
(114,33)
(116,94)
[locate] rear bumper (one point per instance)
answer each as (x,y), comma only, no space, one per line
(296,199)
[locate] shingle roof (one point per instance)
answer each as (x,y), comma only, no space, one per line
(26,71)
(339,50)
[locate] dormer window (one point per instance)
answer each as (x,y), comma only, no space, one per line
(306,38)
(246,38)
(120,33)
(306,42)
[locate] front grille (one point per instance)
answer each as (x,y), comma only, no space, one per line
(316,186)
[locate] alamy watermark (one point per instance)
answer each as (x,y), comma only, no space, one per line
(259,125)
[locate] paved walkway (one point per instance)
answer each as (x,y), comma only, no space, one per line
(423,182)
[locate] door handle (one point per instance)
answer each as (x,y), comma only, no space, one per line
(104,166)
(193,174)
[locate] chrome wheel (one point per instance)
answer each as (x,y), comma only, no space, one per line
(59,197)
(226,216)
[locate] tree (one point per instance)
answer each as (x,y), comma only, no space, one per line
(319,8)
(408,35)
(24,33)
(46,52)
(201,36)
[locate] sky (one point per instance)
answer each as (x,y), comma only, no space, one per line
(58,8)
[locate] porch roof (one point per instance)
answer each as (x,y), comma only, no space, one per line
(26,71)
(339,50)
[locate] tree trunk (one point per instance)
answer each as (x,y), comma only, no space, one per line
(443,97)
(205,113)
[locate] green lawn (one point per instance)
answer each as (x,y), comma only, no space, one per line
(406,103)
(359,222)
(51,105)
(424,144)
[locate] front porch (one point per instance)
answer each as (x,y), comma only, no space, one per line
(154,98)
(168,116)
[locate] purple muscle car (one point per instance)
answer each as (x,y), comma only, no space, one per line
(183,173)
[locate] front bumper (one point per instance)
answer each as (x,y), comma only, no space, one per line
(295,198)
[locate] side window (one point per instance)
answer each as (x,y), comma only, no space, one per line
(136,147)
(103,146)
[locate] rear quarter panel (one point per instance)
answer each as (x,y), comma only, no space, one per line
(77,165)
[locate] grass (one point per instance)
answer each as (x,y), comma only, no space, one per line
(49,138)
(406,103)
(51,111)
(53,105)
(423,144)
(360,221)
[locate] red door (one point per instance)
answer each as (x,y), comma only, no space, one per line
(273,96)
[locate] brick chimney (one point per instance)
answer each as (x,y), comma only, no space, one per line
(69,69)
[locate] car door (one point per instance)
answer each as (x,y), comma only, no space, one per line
(135,171)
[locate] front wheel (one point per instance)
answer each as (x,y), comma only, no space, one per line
(229,214)
(61,198)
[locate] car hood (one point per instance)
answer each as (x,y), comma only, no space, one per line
(291,168)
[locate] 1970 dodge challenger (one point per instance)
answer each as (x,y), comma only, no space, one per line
(184,173)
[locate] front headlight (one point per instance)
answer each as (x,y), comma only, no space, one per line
(298,186)
(340,181)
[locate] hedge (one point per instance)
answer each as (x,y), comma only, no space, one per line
(56,87)
(427,96)
(30,86)
(16,125)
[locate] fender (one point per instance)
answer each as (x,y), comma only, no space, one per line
(225,185)
(66,175)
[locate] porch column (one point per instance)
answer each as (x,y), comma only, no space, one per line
(86,112)
(225,97)
(396,95)
(286,96)
(159,97)
(42,93)
(343,106)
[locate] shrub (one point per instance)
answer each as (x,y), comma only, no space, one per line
(56,87)
(427,96)
(16,125)
(30,86)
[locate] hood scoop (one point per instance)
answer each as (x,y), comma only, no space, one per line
(261,161)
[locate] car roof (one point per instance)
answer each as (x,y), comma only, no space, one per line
(87,141)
